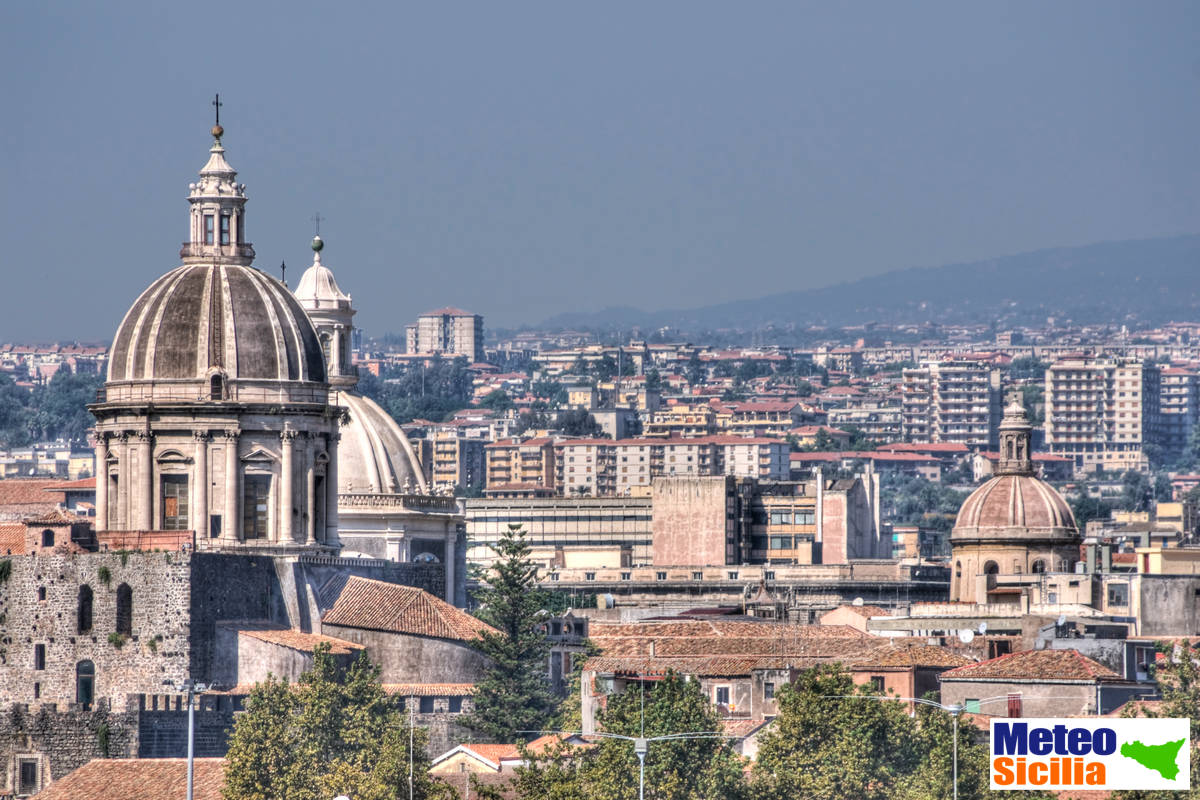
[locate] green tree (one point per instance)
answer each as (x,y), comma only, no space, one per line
(696,372)
(15,416)
(497,401)
(60,406)
(826,747)
(1179,681)
(328,734)
(578,422)
(684,769)
(514,694)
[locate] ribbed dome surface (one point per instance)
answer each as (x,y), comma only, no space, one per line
(1013,507)
(318,289)
(374,455)
(226,317)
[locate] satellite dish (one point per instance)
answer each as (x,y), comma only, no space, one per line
(858,601)
(966,636)
(983,627)
(1062,620)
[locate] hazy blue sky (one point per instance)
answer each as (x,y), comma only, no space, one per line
(518,159)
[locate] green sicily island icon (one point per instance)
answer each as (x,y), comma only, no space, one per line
(1158,757)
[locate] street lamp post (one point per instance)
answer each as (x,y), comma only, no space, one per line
(191,688)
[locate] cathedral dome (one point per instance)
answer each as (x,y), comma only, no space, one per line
(202,319)
(374,455)
(1015,507)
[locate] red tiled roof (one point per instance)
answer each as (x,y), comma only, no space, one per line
(12,539)
(1045,665)
(299,640)
(376,605)
(82,483)
(912,655)
(23,494)
(139,779)
(430,689)
(494,752)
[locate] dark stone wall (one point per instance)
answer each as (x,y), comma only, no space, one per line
(61,740)
(227,587)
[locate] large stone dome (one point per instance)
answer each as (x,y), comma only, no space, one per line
(375,456)
(202,319)
(1015,507)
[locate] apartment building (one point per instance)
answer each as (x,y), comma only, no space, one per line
(952,400)
(516,463)
(449,331)
(1179,404)
(1103,412)
(455,460)
(600,467)
(682,420)
(761,418)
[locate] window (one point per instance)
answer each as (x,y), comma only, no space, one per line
(991,568)
(39,656)
(84,611)
(47,538)
(455,705)
(85,684)
(208,228)
(769,575)
(660,576)
(626,576)
(1038,567)
(174,502)
(721,693)
(216,388)
(426,705)
(41,593)
(256,491)
(224,229)
(768,691)
(589,576)
(781,542)
(732,575)
(877,684)
(697,575)
(125,609)
(971,705)
(1118,594)
(28,778)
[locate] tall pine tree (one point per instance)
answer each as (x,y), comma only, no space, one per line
(515,694)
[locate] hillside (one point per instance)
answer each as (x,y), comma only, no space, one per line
(1148,280)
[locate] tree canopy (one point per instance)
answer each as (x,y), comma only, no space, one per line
(324,736)
(514,696)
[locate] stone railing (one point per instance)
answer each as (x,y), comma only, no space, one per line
(412,502)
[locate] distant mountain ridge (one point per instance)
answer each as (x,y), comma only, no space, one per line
(1145,280)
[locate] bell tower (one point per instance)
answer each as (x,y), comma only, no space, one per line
(332,315)
(217,215)
(1015,435)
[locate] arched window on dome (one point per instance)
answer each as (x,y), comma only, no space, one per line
(216,387)
(1039,567)
(991,568)
(1009,446)
(325,345)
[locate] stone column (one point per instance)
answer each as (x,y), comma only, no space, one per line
(124,479)
(145,494)
(101,482)
(330,537)
(449,561)
(233,522)
(199,499)
(310,492)
(286,512)
(336,354)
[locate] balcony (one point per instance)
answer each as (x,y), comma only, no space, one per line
(196,250)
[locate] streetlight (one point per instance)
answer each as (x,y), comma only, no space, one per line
(192,688)
(954,709)
(641,746)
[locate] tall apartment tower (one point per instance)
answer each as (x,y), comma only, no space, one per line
(1179,403)
(1102,412)
(952,401)
(451,332)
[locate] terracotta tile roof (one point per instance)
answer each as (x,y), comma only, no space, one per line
(494,752)
(298,640)
(540,744)
(714,666)
(912,655)
(138,779)
(866,611)
(742,728)
(82,483)
(30,495)
(12,539)
(690,628)
(1046,665)
(380,606)
(430,689)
